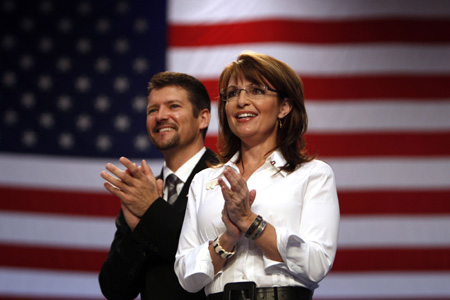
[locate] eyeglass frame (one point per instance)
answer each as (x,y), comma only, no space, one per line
(247,91)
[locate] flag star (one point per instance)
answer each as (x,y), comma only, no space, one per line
(27,24)
(45,44)
(141,142)
(122,7)
(45,82)
(139,104)
(121,46)
(140,65)
(122,122)
(65,25)
(64,64)
(102,65)
(103,25)
(64,103)
(8,42)
(103,142)
(46,7)
(10,117)
(66,140)
(84,8)
(83,46)
(140,25)
(83,84)
(8,6)
(9,79)
(121,84)
(84,122)
(46,120)
(28,101)
(29,138)
(26,62)
(102,103)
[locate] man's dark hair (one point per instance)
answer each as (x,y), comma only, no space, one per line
(197,93)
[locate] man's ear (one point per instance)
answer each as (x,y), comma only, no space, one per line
(285,108)
(204,117)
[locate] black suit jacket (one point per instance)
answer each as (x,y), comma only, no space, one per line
(142,261)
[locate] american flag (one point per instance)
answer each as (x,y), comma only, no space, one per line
(73,97)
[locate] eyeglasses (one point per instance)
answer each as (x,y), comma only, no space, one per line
(254,92)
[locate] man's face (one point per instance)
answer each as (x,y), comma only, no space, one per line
(170,119)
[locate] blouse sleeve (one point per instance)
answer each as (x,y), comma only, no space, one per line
(193,263)
(309,253)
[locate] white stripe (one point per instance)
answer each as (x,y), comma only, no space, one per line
(97,233)
(209,62)
(56,230)
(42,283)
(391,173)
(210,12)
(369,116)
(401,285)
(59,173)
(351,173)
(410,231)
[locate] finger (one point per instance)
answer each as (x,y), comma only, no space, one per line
(132,167)
(226,192)
(113,190)
(118,172)
(112,180)
(251,197)
(147,170)
(160,186)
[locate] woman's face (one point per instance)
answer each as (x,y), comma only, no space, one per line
(254,121)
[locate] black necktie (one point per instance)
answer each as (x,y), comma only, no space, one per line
(171,182)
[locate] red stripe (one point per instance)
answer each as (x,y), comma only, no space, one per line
(368,260)
(405,30)
(400,86)
(379,144)
(394,202)
(60,202)
(347,260)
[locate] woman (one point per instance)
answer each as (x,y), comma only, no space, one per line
(268,215)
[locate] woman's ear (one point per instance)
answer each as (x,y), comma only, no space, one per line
(285,108)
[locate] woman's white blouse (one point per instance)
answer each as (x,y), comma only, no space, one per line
(302,206)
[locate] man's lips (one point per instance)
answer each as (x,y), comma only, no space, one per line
(164,129)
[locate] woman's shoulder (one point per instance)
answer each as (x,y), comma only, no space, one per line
(317,165)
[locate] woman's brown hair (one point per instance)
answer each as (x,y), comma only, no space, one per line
(264,69)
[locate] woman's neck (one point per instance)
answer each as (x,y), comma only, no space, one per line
(252,158)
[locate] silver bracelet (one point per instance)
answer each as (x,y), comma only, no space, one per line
(259,230)
(222,252)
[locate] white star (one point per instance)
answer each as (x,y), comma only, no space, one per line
(121,84)
(122,122)
(9,79)
(8,6)
(29,138)
(27,24)
(102,103)
(84,8)
(83,46)
(83,84)
(140,104)
(102,65)
(103,142)
(63,64)
(84,122)
(10,117)
(141,142)
(26,62)
(140,65)
(28,101)
(45,44)
(140,25)
(122,7)
(45,82)
(103,25)
(46,120)
(46,7)
(121,46)
(65,25)
(8,42)
(66,140)
(64,103)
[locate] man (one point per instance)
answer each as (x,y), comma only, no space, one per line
(142,254)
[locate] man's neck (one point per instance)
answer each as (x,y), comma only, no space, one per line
(175,158)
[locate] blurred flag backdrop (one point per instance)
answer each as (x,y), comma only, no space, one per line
(73,97)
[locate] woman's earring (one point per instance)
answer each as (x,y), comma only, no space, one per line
(280,124)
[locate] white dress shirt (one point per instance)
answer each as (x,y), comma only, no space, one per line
(182,173)
(302,206)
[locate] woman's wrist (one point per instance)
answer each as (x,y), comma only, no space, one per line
(245,224)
